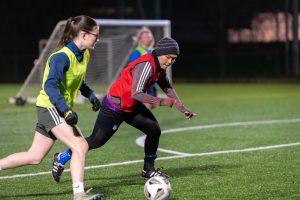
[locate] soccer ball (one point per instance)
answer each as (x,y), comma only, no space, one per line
(157,188)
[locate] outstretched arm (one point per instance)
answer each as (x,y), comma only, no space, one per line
(141,74)
(170,92)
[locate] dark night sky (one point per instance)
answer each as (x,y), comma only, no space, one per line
(195,24)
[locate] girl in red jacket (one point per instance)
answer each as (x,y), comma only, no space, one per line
(125,102)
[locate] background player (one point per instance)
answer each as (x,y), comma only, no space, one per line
(145,45)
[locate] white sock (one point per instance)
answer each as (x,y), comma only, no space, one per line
(78,187)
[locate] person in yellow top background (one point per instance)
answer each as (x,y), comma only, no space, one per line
(145,45)
(63,77)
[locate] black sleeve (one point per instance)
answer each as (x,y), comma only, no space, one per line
(85,90)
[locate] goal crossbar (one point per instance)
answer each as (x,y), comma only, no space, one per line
(114,25)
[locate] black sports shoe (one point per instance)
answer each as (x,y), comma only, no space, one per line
(57,168)
(153,172)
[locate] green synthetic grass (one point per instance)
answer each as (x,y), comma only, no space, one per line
(268,174)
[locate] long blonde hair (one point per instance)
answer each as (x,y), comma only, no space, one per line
(143,30)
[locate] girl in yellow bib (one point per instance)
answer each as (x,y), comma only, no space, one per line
(63,77)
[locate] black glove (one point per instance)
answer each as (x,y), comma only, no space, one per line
(95,102)
(71,117)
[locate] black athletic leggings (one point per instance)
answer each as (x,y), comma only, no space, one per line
(108,122)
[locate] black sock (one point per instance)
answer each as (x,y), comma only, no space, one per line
(149,162)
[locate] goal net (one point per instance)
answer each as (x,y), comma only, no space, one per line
(110,56)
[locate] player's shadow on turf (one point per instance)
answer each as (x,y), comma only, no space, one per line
(198,170)
(109,186)
(115,183)
(40,195)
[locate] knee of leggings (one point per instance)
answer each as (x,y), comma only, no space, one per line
(95,141)
(94,145)
(155,129)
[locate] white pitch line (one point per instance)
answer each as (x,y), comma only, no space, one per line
(183,155)
(232,151)
(165,158)
(172,152)
(140,141)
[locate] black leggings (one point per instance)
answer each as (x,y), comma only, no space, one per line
(108,122)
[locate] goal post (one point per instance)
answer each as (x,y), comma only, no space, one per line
(110,56)
(164,24)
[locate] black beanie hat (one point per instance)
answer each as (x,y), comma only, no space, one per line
(166,46)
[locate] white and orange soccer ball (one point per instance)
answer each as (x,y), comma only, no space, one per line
(157,188)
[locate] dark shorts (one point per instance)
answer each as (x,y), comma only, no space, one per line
(48,118)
